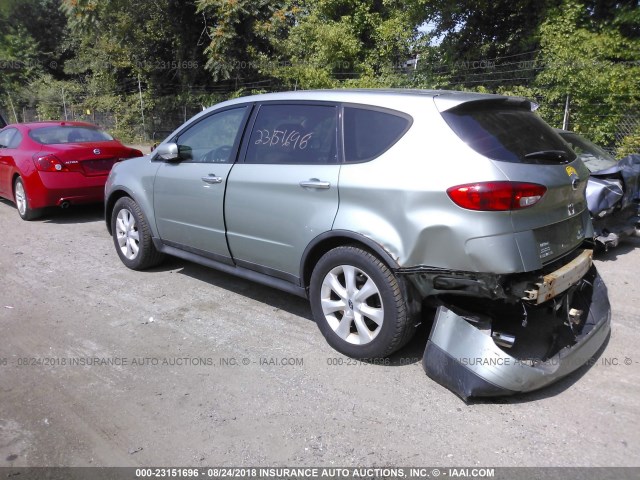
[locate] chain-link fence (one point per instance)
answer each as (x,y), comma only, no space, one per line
(153,127)
(629,125)
(623,124)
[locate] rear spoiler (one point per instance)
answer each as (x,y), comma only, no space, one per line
(450,101)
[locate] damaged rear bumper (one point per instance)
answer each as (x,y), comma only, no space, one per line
(465,357)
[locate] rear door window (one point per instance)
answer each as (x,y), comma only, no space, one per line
(294,134)
(369,133)
(508,134)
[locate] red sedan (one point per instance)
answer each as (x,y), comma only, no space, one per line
(49,164)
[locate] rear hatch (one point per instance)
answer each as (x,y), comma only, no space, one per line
(526,149)
(91,159)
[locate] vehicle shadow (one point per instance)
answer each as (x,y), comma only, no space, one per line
(413,351)
(409,354)
(260,293)
(9,203)
(548,391)
(73,214)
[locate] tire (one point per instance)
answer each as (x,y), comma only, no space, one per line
(359,326)
(132,236)
(22,201)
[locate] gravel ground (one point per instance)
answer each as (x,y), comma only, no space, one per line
(185,366)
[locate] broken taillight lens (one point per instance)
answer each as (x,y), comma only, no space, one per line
(49,163)
(496,196)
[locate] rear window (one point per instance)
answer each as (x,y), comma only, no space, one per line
(508,134)
(370,133)
(68,134)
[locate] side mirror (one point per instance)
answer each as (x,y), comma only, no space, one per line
(168,151)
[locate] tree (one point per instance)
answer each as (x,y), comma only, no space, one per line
(240,32)
(124,51)
(157,40)
(586,55)
(46,24)
(311,44)
(30,36)
(585,49)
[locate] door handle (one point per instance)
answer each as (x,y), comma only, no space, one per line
(211,178)
(315,183)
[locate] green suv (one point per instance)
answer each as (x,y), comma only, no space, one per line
(381,207)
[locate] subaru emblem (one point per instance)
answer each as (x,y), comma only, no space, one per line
(96,151)
(574,183)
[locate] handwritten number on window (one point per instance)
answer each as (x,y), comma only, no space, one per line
(283,138)
(304,140)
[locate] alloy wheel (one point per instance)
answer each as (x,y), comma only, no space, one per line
(127,234)
(352,304)
(21,198)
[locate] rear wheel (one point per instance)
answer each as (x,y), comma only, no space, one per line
(132,236)
(358,304)
(22,201)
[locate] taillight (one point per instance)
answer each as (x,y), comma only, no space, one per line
(133,153)
(496,196)
(49,163)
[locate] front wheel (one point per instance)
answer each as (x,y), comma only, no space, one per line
(22,201)
(358,304)
(132,236)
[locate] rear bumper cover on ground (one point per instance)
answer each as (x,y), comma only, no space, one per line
(467,361)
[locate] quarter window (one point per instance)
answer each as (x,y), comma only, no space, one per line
(370,133)
(294,134)
(10,138)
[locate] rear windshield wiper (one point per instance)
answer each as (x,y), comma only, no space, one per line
(551,155)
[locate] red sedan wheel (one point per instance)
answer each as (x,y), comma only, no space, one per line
(22,202)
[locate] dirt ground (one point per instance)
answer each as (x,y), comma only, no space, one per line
(185,366)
